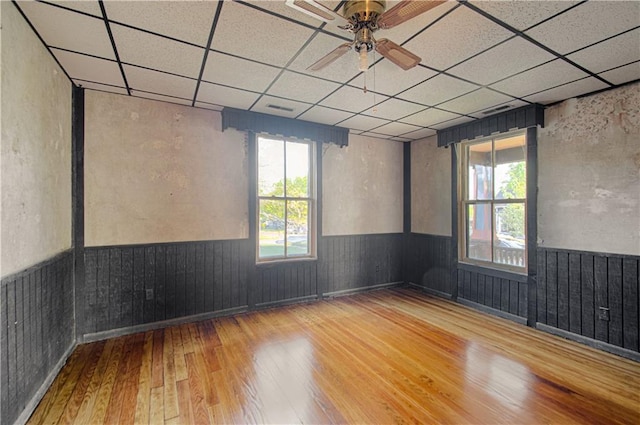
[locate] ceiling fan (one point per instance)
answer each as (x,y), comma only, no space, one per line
(363,18)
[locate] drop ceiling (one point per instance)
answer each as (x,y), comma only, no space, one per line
(476,56)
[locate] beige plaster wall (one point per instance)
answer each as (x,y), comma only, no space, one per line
(35,153)
(158,172)
(430,188)
(362,187)
(589,173)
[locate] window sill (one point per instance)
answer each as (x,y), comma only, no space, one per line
(285,261)
(516,275)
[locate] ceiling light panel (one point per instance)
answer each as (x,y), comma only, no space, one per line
(301,87)
(523,14)
(394,109)
(576,88)
(235,72)
(352,100)
(88,68)
(540,78)
(437,90)
(161,17)
(225,96)
(159,82)
(502,61)
(586,24)
(89,35)
(616,51)
(267,38)
(461,34)
(475,101)
(283,107)
(342,70)
(144,49)
(325,115)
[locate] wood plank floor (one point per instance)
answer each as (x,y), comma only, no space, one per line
(390,356)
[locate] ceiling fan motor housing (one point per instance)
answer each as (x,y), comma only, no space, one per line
(363,14)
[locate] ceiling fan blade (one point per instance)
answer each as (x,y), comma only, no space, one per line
(406,10)
(330,57)
(318,11)
(396,54)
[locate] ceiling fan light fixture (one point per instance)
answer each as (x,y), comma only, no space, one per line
(362,63)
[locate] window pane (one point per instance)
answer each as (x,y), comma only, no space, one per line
(297,170)
(297,228)
(479,171)
(479,232)
(509,243)
(271,233)
(511,168)
(270,167)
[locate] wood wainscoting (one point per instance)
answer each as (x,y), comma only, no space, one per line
(387,356)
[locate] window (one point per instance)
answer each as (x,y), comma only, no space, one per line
(286,199)
(493,202)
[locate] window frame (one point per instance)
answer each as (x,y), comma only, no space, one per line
(312,199)
(463,202)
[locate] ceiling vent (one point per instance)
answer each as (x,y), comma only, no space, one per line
(280,108)
(498,109)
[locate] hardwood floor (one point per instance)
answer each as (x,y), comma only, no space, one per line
(390,356)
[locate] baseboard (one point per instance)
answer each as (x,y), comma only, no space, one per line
(493,311)
(288,301)
(114,333)
(431,291)
(361,289)
(37,397)
(593,343)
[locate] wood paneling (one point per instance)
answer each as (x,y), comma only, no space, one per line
(589,294)
(285,281)
(359,261)
(129,286)
(390,356)
(36,330)
(430,262)
(499,290)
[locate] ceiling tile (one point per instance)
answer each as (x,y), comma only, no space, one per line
(387,78)
(325,115)
(161,17)
(576,88)
(451,123)
(88,35)
(353,100)
(623,74)
(586,24)
(235,72)
(540,78)
(429,117)
(226,96)
(363,122)
(143,49)
(499,62)
(396,129)
(609,54)
(160,97)
(210,106)
(402,33)
(523,14)
(265,101)
(394,109)
(301,87)
(420,134)
(375,135)
(159,82)
(89,68)
(461,34)
(102,87)
(512,104)
(90,7)
(266,39)
(438,90)
(342,70)
(475,101)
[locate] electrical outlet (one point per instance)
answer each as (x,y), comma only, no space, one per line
(603,314)
(149,294)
